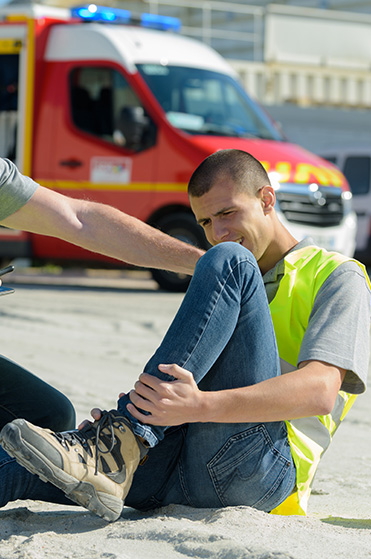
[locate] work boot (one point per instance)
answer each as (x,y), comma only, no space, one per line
(94,467)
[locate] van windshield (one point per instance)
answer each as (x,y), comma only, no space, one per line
(205,102)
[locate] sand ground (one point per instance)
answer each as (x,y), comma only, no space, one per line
(90,338)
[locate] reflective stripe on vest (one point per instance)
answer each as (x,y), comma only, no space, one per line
(306,270)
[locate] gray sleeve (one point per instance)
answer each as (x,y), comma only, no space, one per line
(339,326)
(15,189)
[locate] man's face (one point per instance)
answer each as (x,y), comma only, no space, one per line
(229,215)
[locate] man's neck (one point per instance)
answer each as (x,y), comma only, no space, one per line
(277,250)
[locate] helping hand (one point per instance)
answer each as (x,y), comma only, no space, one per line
(169,402)
(96,414)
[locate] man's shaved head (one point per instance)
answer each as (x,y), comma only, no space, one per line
(247,173)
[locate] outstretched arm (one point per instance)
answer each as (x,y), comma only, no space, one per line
(310,390)
(103,229)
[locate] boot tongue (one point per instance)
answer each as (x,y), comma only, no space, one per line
(89,431)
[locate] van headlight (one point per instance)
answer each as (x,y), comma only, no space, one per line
(347,202)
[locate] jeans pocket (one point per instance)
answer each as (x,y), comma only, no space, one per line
(249,470)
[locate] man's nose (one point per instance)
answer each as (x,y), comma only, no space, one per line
(220,232)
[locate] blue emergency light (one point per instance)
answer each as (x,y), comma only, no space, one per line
(164,23)
(92,12)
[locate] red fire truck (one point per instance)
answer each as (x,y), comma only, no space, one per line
(101,104)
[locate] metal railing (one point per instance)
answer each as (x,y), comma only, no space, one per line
(219,22)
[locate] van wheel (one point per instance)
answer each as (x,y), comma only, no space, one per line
(184,227)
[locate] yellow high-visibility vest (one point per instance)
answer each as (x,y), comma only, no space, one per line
(306,270)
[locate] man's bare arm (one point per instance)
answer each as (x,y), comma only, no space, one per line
(103,229)
(310,390)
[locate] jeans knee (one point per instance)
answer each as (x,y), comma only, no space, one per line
(68,417)
(63,416)
(225,254)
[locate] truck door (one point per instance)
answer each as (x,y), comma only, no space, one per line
(17,92)
(14,76)
(104,142)
(9,81)
(9,64)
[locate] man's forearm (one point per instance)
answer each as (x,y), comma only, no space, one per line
(310,390)
(103,229)
(124,237)
(305,392)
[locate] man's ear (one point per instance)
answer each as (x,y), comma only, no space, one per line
(268,198)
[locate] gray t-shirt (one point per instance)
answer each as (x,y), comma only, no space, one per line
(15,189)
(338,331)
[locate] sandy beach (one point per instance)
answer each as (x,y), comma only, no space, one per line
(90,338)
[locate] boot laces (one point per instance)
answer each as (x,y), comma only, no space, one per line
(89,434)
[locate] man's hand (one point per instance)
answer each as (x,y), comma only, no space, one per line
(169,402)
(96,414)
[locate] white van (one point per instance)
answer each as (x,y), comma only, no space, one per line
(355,164)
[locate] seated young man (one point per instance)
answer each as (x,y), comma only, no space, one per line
(212,421)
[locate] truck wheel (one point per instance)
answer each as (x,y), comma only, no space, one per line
(184,227)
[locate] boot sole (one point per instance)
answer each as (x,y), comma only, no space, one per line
(83,493)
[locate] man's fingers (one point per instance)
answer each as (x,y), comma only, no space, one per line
(139,401)
(138,415)
(172,370)
(175,371)
(96,413)
(83,424)
(149,381)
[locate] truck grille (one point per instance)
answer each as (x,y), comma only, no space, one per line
(322,208)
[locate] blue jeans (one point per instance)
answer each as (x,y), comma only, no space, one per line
(23,394)
(224,335)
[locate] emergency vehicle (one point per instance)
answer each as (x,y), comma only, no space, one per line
(98,103)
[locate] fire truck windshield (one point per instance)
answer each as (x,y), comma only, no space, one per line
(201,101)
